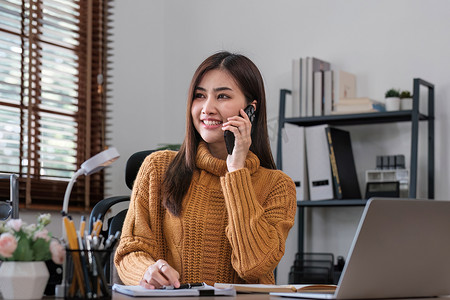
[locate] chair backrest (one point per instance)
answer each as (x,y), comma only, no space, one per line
(133,164)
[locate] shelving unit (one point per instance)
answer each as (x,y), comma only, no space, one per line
(413,116)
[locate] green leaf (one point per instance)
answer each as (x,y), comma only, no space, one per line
(23,251)
(41,249)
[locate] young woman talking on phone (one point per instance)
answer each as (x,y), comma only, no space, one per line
(201,214)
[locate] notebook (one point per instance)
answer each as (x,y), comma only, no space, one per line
(401,249)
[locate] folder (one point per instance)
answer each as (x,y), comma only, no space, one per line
(319,168)
(345,179)
(294,158)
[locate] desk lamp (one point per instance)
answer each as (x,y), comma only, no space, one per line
(90,166)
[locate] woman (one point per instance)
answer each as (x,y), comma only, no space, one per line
(200,214)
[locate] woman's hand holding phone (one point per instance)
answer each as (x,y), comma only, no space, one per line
(238,137)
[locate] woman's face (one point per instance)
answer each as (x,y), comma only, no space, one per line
(216,98)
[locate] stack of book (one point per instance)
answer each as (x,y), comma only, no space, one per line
(357,105)
(315,87)
(318,90)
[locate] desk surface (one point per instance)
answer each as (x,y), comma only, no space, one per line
(118,296)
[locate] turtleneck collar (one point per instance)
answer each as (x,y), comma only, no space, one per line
(218,167)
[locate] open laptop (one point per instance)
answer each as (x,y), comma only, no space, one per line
(401,249)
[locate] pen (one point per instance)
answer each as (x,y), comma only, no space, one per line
(184,286)
(97,227)
(82,226)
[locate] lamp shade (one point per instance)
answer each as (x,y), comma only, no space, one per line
(90,166)
(99,161)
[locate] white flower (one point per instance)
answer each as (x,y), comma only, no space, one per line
(15,224)
(29,229)
(44,219)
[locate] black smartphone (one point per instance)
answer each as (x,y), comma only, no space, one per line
(229,136)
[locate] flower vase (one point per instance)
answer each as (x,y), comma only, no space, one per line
(23,279)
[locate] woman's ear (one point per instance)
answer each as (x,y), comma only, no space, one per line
(254,102)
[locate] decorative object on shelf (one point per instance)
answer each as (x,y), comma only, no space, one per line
(392,98)
(406,100)
(24,249)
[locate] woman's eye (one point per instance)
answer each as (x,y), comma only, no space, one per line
(223,96)
(198,95)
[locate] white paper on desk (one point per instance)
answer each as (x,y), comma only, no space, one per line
(139,291)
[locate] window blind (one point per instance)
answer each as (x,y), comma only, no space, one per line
(54,59)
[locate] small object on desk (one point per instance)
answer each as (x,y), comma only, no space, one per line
(184,286)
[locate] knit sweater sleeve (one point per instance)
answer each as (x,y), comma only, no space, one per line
(141,241)
(257,228)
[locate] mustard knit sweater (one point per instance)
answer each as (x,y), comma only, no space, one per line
(232,228)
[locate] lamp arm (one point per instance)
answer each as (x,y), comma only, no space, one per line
(69,189)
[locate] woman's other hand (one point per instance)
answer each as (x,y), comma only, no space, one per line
(160,274)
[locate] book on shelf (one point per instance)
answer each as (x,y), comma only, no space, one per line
(328,100)
(313,65)
(318,93)
(357,105)
(303,86)
(345,179)
(344,85)
(296,72)
(270,288)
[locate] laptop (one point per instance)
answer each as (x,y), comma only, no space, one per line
(401,249)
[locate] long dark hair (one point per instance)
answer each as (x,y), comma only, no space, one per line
(247,76)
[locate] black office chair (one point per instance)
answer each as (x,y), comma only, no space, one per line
(115,222)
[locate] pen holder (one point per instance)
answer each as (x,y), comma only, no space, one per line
(85,274)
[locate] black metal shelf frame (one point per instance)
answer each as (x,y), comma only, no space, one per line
(413,116)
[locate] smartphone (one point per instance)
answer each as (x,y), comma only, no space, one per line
(229,136)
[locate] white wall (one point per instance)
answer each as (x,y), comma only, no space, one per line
(159,43)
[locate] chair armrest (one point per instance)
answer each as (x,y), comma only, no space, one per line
(102,207)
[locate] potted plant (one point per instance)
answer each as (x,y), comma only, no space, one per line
(406,101)
(24,249)
(392,99)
